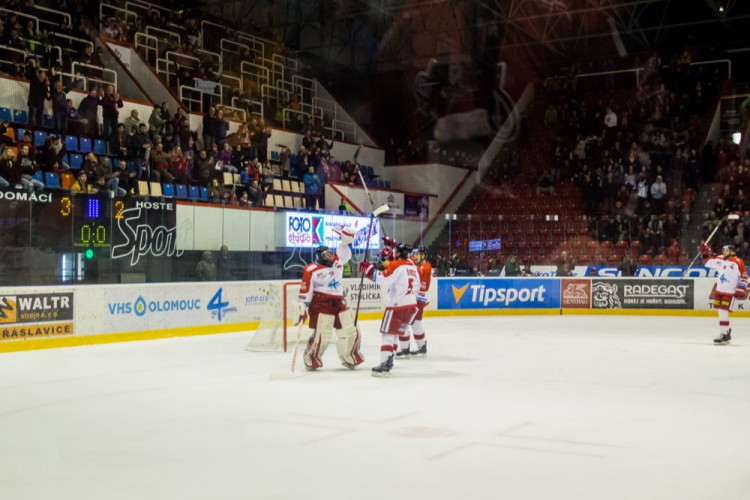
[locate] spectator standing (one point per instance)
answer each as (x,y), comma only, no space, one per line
(206,270)
(312,188)
(111,104)
(39,91)
(89,109)
(224,265)
(658,195)
(156,124)
(221,129)
(59,107)
(324,175)
(209,127)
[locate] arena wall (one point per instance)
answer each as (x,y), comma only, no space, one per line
(59,316)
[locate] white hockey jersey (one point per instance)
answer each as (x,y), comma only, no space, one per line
(402,280)
(732,273)
(317,278)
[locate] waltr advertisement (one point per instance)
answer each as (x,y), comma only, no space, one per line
(642,294)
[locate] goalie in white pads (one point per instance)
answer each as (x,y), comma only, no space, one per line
(322,297)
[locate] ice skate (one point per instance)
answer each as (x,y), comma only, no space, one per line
(403,353)
(421,352)
(384,368)
(724,338)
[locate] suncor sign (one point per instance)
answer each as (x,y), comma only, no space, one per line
(498,293)
(653,272)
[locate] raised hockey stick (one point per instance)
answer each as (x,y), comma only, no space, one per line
(710,236)
(362,178)
(375,213)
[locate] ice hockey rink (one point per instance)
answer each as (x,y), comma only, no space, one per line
(504,407)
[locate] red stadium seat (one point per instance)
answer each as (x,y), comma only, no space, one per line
(644,260)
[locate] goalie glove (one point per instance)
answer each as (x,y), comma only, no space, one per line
(301,312)
(346,233)
(367,269)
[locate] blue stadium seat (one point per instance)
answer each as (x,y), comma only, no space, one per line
(39,138)
(71,143)
(39,175)
(204,193)
(100,147)
(76,160)
(194,193)
(167,190)
(20,116)
(6,115)
(292,159)
(388,184)
(84,145)
(19,134)
(275,156)
(181,191)
(49,122)
(52,180)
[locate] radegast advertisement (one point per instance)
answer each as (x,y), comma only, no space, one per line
(642,294)
(498,293)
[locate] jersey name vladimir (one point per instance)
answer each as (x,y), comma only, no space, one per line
(732,273)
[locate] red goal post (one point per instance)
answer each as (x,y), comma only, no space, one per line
(275,332)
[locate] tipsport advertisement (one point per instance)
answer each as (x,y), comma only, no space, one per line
(498,293)
(312,230)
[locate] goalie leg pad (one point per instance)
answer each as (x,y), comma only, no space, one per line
(318,342)
(349,339)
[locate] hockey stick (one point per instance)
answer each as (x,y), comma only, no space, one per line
(296,347)
(710,236)
(375,213)
(290,374)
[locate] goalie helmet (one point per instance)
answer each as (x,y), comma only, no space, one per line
(323,256)
(402,250)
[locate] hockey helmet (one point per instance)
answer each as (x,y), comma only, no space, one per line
(324,256)
(729,247)
(402,250)
(420,249)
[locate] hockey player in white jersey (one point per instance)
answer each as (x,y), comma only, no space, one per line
(322,297)
(401,279)
(731,284)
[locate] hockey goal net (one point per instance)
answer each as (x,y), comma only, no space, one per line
(276,330)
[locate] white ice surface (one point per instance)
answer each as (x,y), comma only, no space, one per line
(549,407)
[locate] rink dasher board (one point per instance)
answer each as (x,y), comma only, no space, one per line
(59,316)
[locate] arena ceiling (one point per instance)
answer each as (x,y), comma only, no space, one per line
(546,32)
